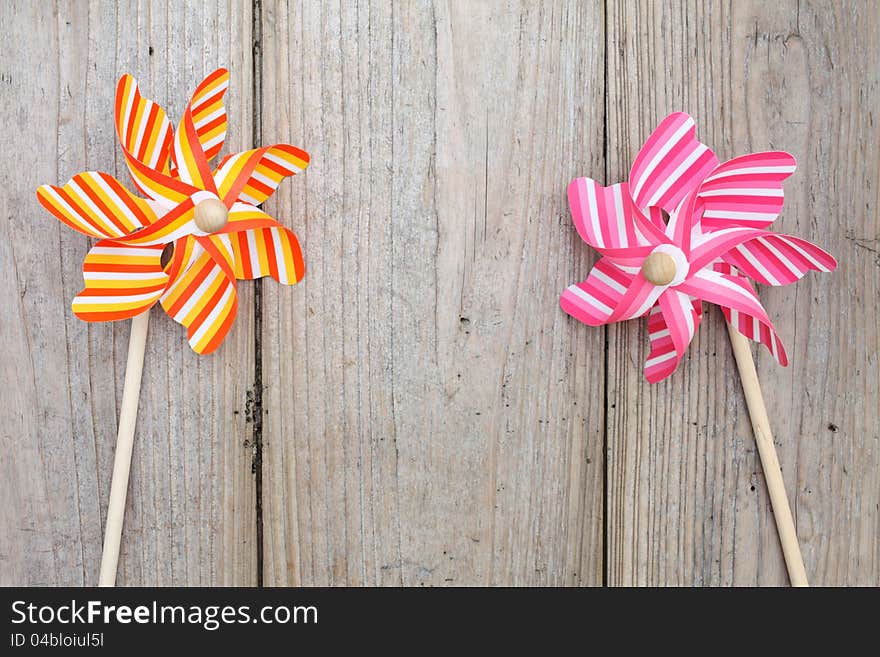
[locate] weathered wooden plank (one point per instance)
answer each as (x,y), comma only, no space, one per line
(190,516)
(687,503)
(431,416)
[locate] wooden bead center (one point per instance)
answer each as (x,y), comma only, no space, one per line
(211,215)
(659,268)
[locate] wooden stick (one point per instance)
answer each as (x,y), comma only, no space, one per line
(794,562)
(131,391)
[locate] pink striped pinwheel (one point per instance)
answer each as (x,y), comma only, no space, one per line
(714,239)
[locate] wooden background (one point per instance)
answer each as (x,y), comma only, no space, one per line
(419,411)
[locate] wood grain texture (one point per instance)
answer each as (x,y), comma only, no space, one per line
(191,508)
(431,417)
(687,502)
(426,414)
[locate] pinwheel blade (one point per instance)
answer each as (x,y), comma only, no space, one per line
(201,295)
(745,191)
(670,164)
(664,357)
(253,176)
(96,204)
(271,252)
(201,132)
(143,129)
(775,259)
(121,281)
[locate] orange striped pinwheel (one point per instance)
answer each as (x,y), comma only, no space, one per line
(208,215)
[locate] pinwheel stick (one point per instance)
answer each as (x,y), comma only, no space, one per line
(131,391)
(794,562)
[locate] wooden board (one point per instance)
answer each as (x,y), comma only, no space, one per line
(191,507)
(431,417)
(419,411)
(686,498)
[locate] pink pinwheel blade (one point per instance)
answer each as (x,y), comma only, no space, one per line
(745,191)
(606,218)
(671,163)
(664,357)
(779,259)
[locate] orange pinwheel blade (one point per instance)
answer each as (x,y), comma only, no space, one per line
(143,129)
(201,295)
(201,132)
(263,247)
(96,204)
(253,176)
(146,138)
(271,252)
(209,113)
(121,281)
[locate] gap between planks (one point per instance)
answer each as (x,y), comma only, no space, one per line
(257,408)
